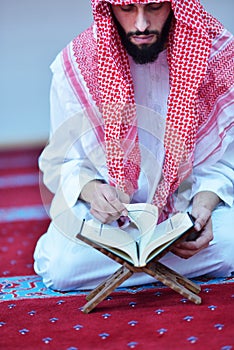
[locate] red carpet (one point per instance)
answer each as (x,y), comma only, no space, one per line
(18,241)
(14,165)
(143,318)
(155,322)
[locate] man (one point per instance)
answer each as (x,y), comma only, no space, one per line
(141,111)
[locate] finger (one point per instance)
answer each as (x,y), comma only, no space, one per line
(103,217)
(188,245)
(104,211)
(197,225)
(190,250)
(112,198)
(118,207)
(184,253)
(101,204)
(123,197)
(200,222)
(202,241)
(201,216)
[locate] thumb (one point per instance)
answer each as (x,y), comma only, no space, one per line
(201,215)
(123,197)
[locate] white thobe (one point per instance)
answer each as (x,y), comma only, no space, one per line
(65,264)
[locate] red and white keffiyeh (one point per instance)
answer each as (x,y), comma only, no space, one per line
(110,84)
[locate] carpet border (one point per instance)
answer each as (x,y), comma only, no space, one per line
(32,287)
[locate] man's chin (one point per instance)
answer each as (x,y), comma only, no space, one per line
(144,53)
(143,47)
(143,59)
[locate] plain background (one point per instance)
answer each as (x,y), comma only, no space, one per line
(31,34)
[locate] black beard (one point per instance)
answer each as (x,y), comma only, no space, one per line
(145,53)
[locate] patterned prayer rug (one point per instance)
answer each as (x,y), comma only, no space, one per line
(147,317)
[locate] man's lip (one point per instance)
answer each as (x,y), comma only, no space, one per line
(143,39)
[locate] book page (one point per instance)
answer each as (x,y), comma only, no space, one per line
(145,217)
(112,237)
(165,232)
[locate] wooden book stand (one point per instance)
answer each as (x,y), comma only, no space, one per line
(154,268)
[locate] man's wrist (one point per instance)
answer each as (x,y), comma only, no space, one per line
(206,199)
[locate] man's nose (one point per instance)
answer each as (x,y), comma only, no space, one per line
(141,22)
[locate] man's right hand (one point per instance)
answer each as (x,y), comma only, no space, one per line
(106,202)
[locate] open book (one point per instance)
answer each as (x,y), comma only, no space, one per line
(142,239)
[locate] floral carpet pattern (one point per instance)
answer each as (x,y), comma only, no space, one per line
(20,287)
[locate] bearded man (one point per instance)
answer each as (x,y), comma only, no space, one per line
(141,111)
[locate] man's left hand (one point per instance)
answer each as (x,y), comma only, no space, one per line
(203,204)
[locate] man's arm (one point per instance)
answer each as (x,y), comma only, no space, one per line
(212,184)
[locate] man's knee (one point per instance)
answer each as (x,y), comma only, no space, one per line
(224,257)
(51,273)
(59,271)
(223,228)
(76,267)
(227,257)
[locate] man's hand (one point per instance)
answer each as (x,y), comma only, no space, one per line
(203,204)
(106,202)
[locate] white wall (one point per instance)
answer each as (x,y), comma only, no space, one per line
(223,10)
(32,32)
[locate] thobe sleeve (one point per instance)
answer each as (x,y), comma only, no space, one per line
(65,162)
(217,178)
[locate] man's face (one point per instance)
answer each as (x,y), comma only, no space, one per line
(143,29)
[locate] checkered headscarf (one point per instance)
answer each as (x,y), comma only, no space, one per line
(189,47)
